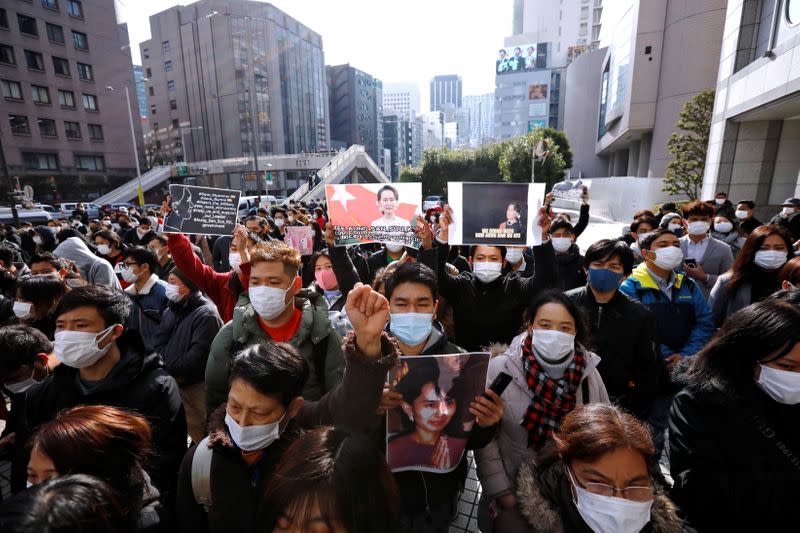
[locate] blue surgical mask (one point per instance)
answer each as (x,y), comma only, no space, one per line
(603,279)
(411,328)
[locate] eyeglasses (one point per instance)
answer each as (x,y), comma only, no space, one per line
(126,266)
(633,493)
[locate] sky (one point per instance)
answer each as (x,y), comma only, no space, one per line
(395,41)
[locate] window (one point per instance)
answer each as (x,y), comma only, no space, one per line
(96,132)
(171,86)
(12,90)
(153,109)
(165,47)
(7,55)
(39,161)
(50,4)
(55,33)
(75,8)
(27,25)
(72,129)
(41,95)
(90,102)
(47,127)
(34,60)
(80,40)
(173,105)
(3,19)
(151,91)
(66,98)
(149,73)
(168,66)
(90,162)
(145,53)
(85,72)
(61,66)
(175,124)
(19,125)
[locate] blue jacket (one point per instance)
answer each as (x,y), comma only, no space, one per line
(147,309)
(685,323)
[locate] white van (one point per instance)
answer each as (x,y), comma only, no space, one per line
(246,203)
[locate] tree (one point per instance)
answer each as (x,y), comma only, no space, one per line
(517,156)
(684,173)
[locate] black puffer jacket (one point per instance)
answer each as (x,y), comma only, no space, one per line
(569,269)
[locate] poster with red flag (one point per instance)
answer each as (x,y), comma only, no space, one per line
(375,212)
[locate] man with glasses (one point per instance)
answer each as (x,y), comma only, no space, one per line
(147,292)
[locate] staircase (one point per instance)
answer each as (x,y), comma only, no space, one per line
(128,191)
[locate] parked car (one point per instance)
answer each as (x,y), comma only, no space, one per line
(35,216)
(433,201)
(246,203)
(65,210)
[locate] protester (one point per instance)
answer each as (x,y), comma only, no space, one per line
(745,211)
(709,256)
(790,274)
(334,278)
(9,264)
(674,223)
(219,253)
(257,225)
(754,275)
(552,373)
(110,248)
(37,300)
(140,235)
(388,254)
(569,261)
(640,229)
(320,218)
(159,246)
(94,270)
(789,217)
(147,292)
(735,426)
(723,206)
(726,230)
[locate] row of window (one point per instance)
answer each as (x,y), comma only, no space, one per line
(35,61)
(12,90)
(167,68)
(49,161)
(20,125)
(55,33)
(74,9)
(173,106)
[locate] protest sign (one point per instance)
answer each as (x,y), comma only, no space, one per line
(375,212)
(495,214)
(202,210)
(430,428)
(301,238)
(572,191)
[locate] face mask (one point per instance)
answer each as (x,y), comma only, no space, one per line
(781,385)
(411,328)
(607,514)
(269,302)
(603,279)
(326,279)
(487,271)
(770,259)
(79,349)
(698,228)
(290,219)
(279,222)
(741,214)
(251,438)
(22,309)
(172,292)
(668,258)
(720,201)
(553,345)
(103,249)
(561,244)
(723,227)
(643,236)
(38,240)
(514,255)
(394,248)
(28,484)
(235,261)
(22,386)
(141,232)
(786,212)
(674,227)
(129,275)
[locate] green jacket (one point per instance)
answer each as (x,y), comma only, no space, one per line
(244,330)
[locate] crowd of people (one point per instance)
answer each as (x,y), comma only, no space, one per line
(165,382)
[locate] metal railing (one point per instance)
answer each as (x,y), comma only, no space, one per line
(127,191)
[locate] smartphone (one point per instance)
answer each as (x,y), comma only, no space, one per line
(500,383)
(691,263)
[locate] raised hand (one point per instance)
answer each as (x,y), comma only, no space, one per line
(368,312)
(330,236)
(424,232)
(389,400)
(544,222)
(445,220)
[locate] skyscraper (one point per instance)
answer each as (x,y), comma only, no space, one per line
(481,118)
(445,90)
(402,98)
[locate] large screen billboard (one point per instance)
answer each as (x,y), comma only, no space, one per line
(521,58)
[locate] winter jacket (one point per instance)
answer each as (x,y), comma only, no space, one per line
(220,252)
(346,277)
(499,461)
(139,383)
(723,304)
(569,269)
(217,286)
(131,237)
(731,239)
(184,337)
(163,270)
(792,223)
(375,262)
(147,309)
(684,322)
(727,210)
(735,458)
(316,340)
(624,334)
(487,313)
(237,490)
(94,270)
(717,260)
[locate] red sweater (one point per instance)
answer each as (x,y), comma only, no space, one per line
(214,284)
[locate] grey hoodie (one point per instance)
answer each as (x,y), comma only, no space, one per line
(94,270)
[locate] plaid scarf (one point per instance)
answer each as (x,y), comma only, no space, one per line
(552,399)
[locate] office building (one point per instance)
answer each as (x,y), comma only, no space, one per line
(445,90)
(402,98)
(525,101)
(141,91)
(64,67)
(356,109)
(481,118)
(432,125)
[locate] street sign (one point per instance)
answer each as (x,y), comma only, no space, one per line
(182,170)
(268,178)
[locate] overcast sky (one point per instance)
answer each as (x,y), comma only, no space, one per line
(396,41)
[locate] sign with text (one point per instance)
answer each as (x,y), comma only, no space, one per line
(508,214)
(202,210)
(301,238)
(375,212)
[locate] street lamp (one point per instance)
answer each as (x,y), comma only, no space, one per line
(183,145)
(133,140)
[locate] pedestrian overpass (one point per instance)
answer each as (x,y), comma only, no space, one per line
(353,164)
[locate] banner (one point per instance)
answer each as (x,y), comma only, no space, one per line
(572,191)
(375,212)
(301,238)
(521,58)
(202,210)
(430,428)
(508,214)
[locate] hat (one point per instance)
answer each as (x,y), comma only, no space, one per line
(791,202)
(123,209)
(186,281)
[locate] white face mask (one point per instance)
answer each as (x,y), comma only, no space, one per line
(269,302)
(141,232)
(668,258)
(251,438)
(786,212)
(290,219)
(723,227)
(607,514)
(235,261)
(741,214)
(129,275)
(561,244)
(643,236)
(698,228)
(22,309)
(514,255)
(674,227)
(553,346)
(172,292)
(394,247)
(720,201)
(79,349)
(770,259)
(37,240)
(22,386)
(279,222)
(781,385)
(103,249)
(487,271)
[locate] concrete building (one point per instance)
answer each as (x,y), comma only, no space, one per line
(402,98)
(432,126)
(141,91)
(754,147)
(525,101)
(356,109)
(445,90)
(260,89)
(481,118)
(65,129)
(582,111)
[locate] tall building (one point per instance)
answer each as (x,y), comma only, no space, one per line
(356,109)
(481,118)
(432,126)
(402,98)
(141,91)
(445,90)
(64,67)
(259,89)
